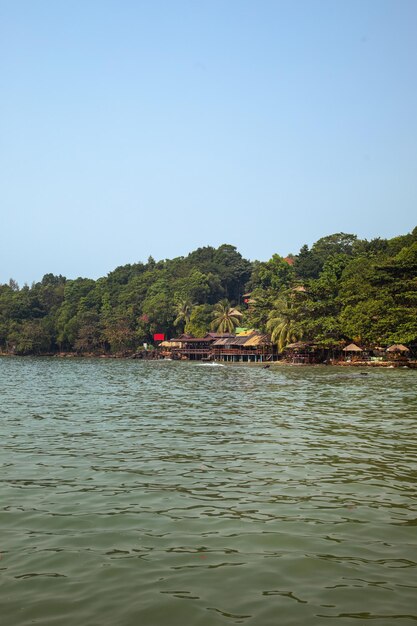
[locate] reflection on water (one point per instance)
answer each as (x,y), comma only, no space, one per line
(169,493)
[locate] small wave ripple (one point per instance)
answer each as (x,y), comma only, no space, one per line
(167,493)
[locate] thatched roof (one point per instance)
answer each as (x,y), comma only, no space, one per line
(398,347)
(257,340)
(352,347)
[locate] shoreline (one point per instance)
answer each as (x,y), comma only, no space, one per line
(394,364)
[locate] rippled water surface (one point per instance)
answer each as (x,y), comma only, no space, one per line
(168,493)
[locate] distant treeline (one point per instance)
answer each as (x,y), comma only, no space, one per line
(341,289)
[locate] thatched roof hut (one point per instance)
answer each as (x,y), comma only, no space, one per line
(352,347)
(398,347)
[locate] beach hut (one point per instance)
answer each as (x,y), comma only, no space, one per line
(352,347)
(351,351)
(399,348)
(398,353)
(299,352)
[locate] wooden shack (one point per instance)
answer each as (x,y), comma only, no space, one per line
(199,348)
(248,346)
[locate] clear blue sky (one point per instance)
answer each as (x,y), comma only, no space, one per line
(131,128)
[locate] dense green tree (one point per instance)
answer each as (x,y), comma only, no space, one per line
(119,334)
(88,332)
(341,289)
(160,312)
(319,311)
(193,287)
(282,322)
(225,317)
(183,310)
(31,337)
(310,263)
(227,264)
(379,297)
(276,274)
(200,320)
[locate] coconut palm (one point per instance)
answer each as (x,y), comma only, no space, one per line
(225,317)
(281,324)
(183,311)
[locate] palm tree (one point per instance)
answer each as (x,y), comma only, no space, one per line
(183,311)
(225,318)
(281,324)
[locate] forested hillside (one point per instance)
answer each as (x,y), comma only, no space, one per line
(342,289)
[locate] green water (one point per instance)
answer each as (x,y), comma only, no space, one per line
(184,494)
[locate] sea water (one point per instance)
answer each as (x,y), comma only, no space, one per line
(169,494)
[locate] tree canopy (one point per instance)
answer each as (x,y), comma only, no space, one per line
(341,289)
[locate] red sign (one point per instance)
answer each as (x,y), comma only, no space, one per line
(158,337)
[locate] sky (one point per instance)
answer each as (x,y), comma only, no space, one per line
(131,128)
